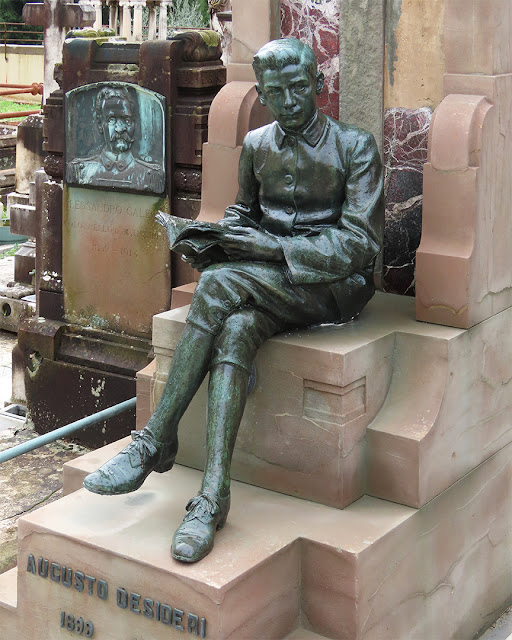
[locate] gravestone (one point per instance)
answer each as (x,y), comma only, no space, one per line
(113,231)
(103,268)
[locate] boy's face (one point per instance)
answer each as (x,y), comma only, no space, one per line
(290,94)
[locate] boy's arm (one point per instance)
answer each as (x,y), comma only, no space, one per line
(245,241)
(246,210)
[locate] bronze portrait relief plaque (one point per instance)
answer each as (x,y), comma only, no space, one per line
(115,137)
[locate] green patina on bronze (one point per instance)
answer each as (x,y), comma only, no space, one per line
(296,249)
(122,155)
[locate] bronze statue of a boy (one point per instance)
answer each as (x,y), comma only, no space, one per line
(301,242)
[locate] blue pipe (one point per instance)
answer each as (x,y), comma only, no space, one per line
(66,430)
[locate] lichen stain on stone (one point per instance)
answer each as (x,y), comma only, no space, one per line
(35,363)
(393,13)
(96,391)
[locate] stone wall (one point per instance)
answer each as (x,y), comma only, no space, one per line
(23,64)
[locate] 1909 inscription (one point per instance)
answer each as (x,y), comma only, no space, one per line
(146,607)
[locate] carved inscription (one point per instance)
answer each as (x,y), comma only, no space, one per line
(113,239)
(137,604)
(76,625)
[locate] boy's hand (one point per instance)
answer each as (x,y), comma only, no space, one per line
(197,262)
(244,243)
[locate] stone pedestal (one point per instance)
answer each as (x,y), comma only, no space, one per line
(416,416)
(382,405)
(436,566)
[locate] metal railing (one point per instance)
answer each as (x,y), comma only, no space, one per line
(21,35)
(67,430)
(36,88)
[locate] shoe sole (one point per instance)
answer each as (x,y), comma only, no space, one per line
(103,492)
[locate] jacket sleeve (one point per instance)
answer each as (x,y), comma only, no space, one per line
(339,251)
(246,211)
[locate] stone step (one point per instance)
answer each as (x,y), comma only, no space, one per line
(373,571)
(8,589)
(8,605)
(303,634)
(250,587)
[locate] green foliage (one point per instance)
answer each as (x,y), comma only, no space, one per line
(10,252)
(188,13)
(8,105)
(10,11)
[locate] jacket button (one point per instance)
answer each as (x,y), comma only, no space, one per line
(288,179)
(289,210)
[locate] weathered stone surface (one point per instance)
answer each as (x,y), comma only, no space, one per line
(415,53)
(384,404)
(27,483)
(361,65)
(374,571)
(120,246)
(29,151)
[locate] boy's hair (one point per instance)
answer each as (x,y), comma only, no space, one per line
(278,54)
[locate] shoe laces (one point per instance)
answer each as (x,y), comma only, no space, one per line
(144,446)
(203,507)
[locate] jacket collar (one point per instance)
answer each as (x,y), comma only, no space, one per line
(120,162)
(311,134)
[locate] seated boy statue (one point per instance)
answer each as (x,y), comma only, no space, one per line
(310,188)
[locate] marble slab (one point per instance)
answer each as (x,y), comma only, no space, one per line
(405,153)
(317,22)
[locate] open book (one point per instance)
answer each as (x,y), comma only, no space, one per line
(193,239)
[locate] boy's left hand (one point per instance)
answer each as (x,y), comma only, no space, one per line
(244,243)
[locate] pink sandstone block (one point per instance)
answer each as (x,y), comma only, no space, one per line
(373,571)
(385,405)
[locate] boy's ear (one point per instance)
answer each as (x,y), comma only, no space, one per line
(320,79)
(262,98)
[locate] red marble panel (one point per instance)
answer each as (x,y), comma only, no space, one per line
(405,152)
(316,22)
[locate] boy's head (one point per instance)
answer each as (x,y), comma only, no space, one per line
(278,54)
(288,81)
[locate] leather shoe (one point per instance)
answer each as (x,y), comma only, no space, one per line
(127,471)
(193,539)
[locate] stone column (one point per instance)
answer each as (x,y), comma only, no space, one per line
(125,19)
(151,20)
(162,19)
(137,18)
(113,15)
(57,18)
(362,65)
